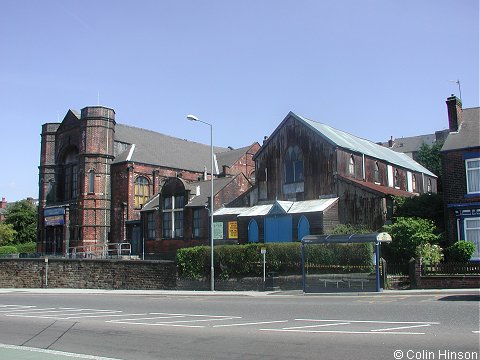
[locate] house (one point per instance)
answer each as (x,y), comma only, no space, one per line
(410,145)
(461,172)
(96,177)
(310,176)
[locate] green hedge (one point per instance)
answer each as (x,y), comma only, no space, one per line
(27,248)
(236,261)
(8,249)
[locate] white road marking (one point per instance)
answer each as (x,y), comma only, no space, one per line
(101,315)
(372,321)
(25,310)
(315,326)
(200,315)
(401,327)
(56,352)
(343,332)
(251,323)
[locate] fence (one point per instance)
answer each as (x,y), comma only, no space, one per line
(101,251)
(470,268)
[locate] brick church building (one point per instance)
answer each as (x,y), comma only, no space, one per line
(102,184)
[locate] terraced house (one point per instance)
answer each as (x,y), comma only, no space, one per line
(461,173)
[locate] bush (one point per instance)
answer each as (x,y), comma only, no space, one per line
(407,234)
(346,229)
(27,248)
(430,254)
(8,249)
(236,261)
(461,251)
(7,234)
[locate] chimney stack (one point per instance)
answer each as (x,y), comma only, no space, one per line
(390,142)
(454,109)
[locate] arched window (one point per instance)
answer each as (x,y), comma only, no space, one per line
(293,165)
(142,192)
(70,176)
(376,173)
(173,216)
(351,166)
(91,182)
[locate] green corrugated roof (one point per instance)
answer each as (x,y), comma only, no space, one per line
(355,144)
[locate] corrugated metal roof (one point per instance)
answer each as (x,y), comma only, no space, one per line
(257,210)
(468,135)
(230,211)
(355,144)
(311,205)
(290,207)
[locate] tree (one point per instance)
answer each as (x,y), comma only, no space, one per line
(7,234)
(431,158)
(407,234)
(425,206)
(22,215)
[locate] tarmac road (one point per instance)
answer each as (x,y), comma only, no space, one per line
(84,324)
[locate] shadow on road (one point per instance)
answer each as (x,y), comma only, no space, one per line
(460,298)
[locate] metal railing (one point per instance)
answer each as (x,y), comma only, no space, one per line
(470,268)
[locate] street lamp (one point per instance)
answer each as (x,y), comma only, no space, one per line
(212,271)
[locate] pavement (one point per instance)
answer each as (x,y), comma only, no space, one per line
(475,291)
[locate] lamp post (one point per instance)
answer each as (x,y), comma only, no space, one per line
(212,271)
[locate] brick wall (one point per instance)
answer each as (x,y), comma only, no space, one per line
(443,281)
(87,274)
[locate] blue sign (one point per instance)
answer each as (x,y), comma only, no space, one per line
(53,211)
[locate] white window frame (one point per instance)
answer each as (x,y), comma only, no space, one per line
(171,207)
(467,170)
(465,237)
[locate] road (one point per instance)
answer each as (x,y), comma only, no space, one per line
(200,326)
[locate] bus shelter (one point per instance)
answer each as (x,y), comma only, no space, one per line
(342,263)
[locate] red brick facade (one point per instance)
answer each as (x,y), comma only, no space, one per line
(87,196)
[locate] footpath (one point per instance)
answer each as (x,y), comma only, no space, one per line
(475,291)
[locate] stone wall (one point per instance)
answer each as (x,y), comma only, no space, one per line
(87,274)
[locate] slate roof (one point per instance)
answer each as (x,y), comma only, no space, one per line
(230,157)
(159,149)
(468,135)
(411,144)
(355,144)
(201,200)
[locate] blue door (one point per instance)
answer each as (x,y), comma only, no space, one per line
(303,228)
(278,228)
(252,231)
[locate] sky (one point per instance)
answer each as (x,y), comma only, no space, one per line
(373,68)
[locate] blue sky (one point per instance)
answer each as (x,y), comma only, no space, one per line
(374,68)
